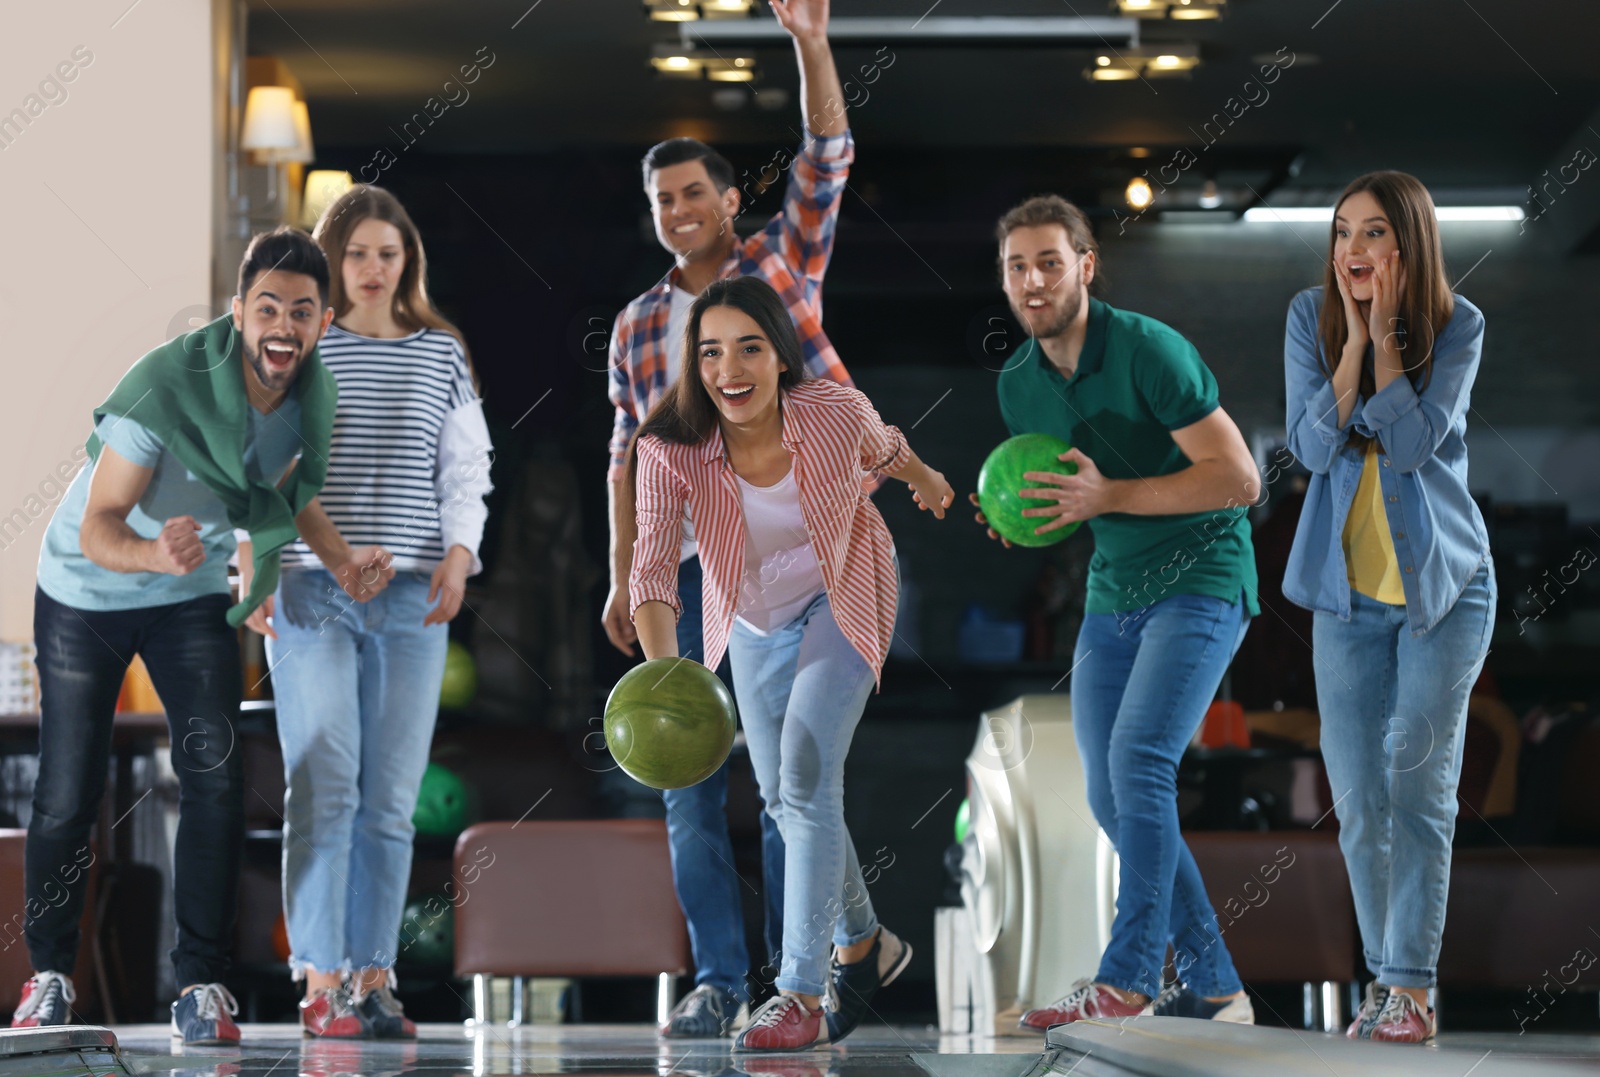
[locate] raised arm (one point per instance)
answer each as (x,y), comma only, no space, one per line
(821,95)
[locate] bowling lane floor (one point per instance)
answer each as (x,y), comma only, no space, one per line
(279,1050)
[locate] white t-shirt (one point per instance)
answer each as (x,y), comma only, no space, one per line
(781,576)
(677,321)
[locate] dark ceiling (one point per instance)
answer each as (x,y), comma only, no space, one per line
(1469,95)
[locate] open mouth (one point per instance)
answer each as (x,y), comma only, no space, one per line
(278,356)
(1358,272)
(1036,303)
(737,393)
(372,288)
(685,229)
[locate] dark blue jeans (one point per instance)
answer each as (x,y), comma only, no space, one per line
(1142,683)
(193,659)
(702,855)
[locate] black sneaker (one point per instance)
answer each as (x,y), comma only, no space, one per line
(47,999)
(385,1016)
(851,987)
(707,1012)
(1176,1000)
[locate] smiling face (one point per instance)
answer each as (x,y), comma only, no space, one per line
(1046,280)
(693,219)
(279,322)
(374,259)
(1362,237)
(738,365)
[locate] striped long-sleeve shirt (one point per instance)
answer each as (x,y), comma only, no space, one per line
(834,434)
(409,464)
(791,253)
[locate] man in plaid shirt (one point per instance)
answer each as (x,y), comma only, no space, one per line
(695,203)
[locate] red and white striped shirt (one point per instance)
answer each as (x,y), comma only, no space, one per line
(834,434)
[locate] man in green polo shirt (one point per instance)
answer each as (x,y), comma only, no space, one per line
(1164,480)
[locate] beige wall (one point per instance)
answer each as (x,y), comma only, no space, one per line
(105,233)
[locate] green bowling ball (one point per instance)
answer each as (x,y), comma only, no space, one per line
(963,820)
(428,931)
(442,803)
(669,723)
(460,682)
(1001,478)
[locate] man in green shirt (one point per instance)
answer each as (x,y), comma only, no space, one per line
(1164,480)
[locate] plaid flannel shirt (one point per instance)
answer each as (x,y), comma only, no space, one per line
(791,253)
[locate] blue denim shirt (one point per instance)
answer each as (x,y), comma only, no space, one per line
(1438,532)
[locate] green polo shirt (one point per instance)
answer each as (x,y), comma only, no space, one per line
(1136,381)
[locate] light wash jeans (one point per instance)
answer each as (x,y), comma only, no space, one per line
(1142,683)
(357,689)
(801,691)
(702,853)
(1394,707)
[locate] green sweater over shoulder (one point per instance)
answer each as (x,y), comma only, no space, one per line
(190,393)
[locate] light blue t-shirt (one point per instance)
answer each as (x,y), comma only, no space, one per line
(70,578)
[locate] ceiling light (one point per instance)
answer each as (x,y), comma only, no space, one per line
(1163,61)
(1171,9)
(673,61)
(1138,193)
(695,10)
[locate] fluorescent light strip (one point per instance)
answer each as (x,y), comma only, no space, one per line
(1324,214)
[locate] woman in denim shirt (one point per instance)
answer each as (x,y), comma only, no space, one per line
(1392,556)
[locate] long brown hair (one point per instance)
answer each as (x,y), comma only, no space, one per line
(411,307)
(686,415)
(1425,305)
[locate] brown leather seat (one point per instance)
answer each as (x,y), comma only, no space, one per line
(1283,903)
(1519,918)
(571,898)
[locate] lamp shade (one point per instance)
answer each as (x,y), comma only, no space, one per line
(301,152)
(323,188)
(269,120)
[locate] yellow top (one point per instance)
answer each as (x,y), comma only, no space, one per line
(1369,558)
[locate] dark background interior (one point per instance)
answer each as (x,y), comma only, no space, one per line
(528,198)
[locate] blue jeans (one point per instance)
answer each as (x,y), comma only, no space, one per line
(193,659)
(1143,679)
(702,855)
(801,691)
(357,689)
(1394,707)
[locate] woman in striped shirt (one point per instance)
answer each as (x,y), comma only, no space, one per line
(800,586)
(357,686)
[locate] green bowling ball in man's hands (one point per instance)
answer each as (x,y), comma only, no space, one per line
(1000,483)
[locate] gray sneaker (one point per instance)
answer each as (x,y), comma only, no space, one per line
(707,1012)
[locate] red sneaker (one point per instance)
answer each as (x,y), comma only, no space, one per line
(47,999)
(1371,1006)
(783,1024)
(1403,1021)
(1086,999)
(332,1014)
